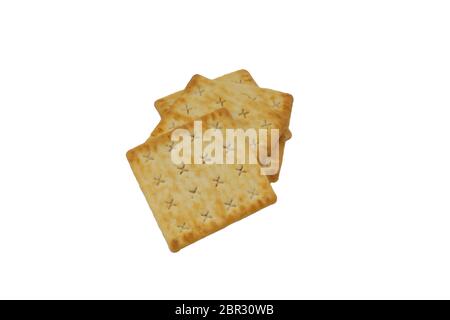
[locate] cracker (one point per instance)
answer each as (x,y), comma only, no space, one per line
(192,201)
(242,76)
(250,105)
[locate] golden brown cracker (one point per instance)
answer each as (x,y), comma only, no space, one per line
(191,201)
(251,106)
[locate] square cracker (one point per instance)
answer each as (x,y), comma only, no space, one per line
(192,201)
(252,106)
(242,76)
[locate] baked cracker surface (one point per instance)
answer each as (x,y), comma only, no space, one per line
(192,201)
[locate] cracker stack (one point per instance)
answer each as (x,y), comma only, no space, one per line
(191,201)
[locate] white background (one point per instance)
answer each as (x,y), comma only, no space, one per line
(363,205)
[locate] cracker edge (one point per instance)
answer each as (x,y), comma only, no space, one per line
(173,244)
(160,104)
